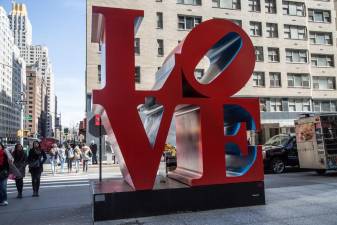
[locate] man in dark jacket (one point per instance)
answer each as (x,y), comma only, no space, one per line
(93,148)
(4,171)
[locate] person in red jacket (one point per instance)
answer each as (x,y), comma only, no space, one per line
(4,171)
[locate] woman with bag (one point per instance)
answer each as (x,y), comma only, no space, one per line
(53,158)
(86,156)
(77,158)
(20,162)
(4,171)
(36,158)
(70,157)
(62,156)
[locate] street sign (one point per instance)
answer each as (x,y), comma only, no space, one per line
(28,117)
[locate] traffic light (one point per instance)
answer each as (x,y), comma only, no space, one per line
(26,133)
(66,131)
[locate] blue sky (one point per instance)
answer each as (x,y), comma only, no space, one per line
(60,25)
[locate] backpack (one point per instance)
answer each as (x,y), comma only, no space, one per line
(71,153)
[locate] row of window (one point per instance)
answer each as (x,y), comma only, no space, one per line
(295,32)
(291,8)
(296,105)
(295,56)
(295,80)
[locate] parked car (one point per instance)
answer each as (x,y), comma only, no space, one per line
(280,151)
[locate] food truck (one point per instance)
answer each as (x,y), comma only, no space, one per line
(316,136)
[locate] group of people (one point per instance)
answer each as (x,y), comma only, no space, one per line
(17,161)
(71,154)
(13,164)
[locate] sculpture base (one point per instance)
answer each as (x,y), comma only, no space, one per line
(115,199)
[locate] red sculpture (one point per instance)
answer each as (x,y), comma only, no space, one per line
(210,123)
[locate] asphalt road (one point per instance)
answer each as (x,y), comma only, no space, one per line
(65,199)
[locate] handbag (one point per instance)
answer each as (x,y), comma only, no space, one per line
(35,164)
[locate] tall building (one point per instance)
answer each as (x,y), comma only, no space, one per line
(295,46)
(12,69)
(20,25)
(36,92)
(34,55)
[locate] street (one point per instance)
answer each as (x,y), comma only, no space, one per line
(65,199)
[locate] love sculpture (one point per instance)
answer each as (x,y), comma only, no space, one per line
(211,125)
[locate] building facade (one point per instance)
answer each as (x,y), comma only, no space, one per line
(295,46)
(36,97)
(20,25)
(12,69)
(36,55)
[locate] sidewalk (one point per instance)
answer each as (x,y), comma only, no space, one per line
(299,205)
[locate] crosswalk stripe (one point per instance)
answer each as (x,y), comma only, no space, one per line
(57,181)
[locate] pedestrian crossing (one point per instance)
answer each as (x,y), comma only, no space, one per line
(49,181)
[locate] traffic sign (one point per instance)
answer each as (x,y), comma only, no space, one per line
(28,117)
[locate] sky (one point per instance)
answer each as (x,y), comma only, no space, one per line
(60,25)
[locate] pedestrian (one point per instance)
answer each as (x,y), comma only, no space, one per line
(53,158)
(62,156)
(86,156)
(36,158)
(20,162)
(4,171)
(93,148)
(77,158)
(70,157)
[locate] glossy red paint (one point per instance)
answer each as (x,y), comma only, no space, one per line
(204,163)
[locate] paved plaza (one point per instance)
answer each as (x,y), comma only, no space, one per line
(293,198)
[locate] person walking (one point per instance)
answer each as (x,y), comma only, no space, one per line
(77,158)
(4,171)
(36,158)
(20,162)
(93,148)
(86,156)
(62,156)
(70,157)
(53,158)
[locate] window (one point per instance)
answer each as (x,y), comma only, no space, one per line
(293,8)
(270,6)
(160,47)
(272,30)
(319,16)
(159,20)
(259,53)
(189,2)
(258,79)
(273,55)
(275,105)
(237,22)
(199,73)
(263,105)
(320,38)
(99,71)
(255,28)
(137,46)
(226,4)
(275,79)
(295,32)
(318,60)
(298,80)
(137,74)
(324,106)
(324,83)
(254,5)
(188,22)
(299,105)
(296,56)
